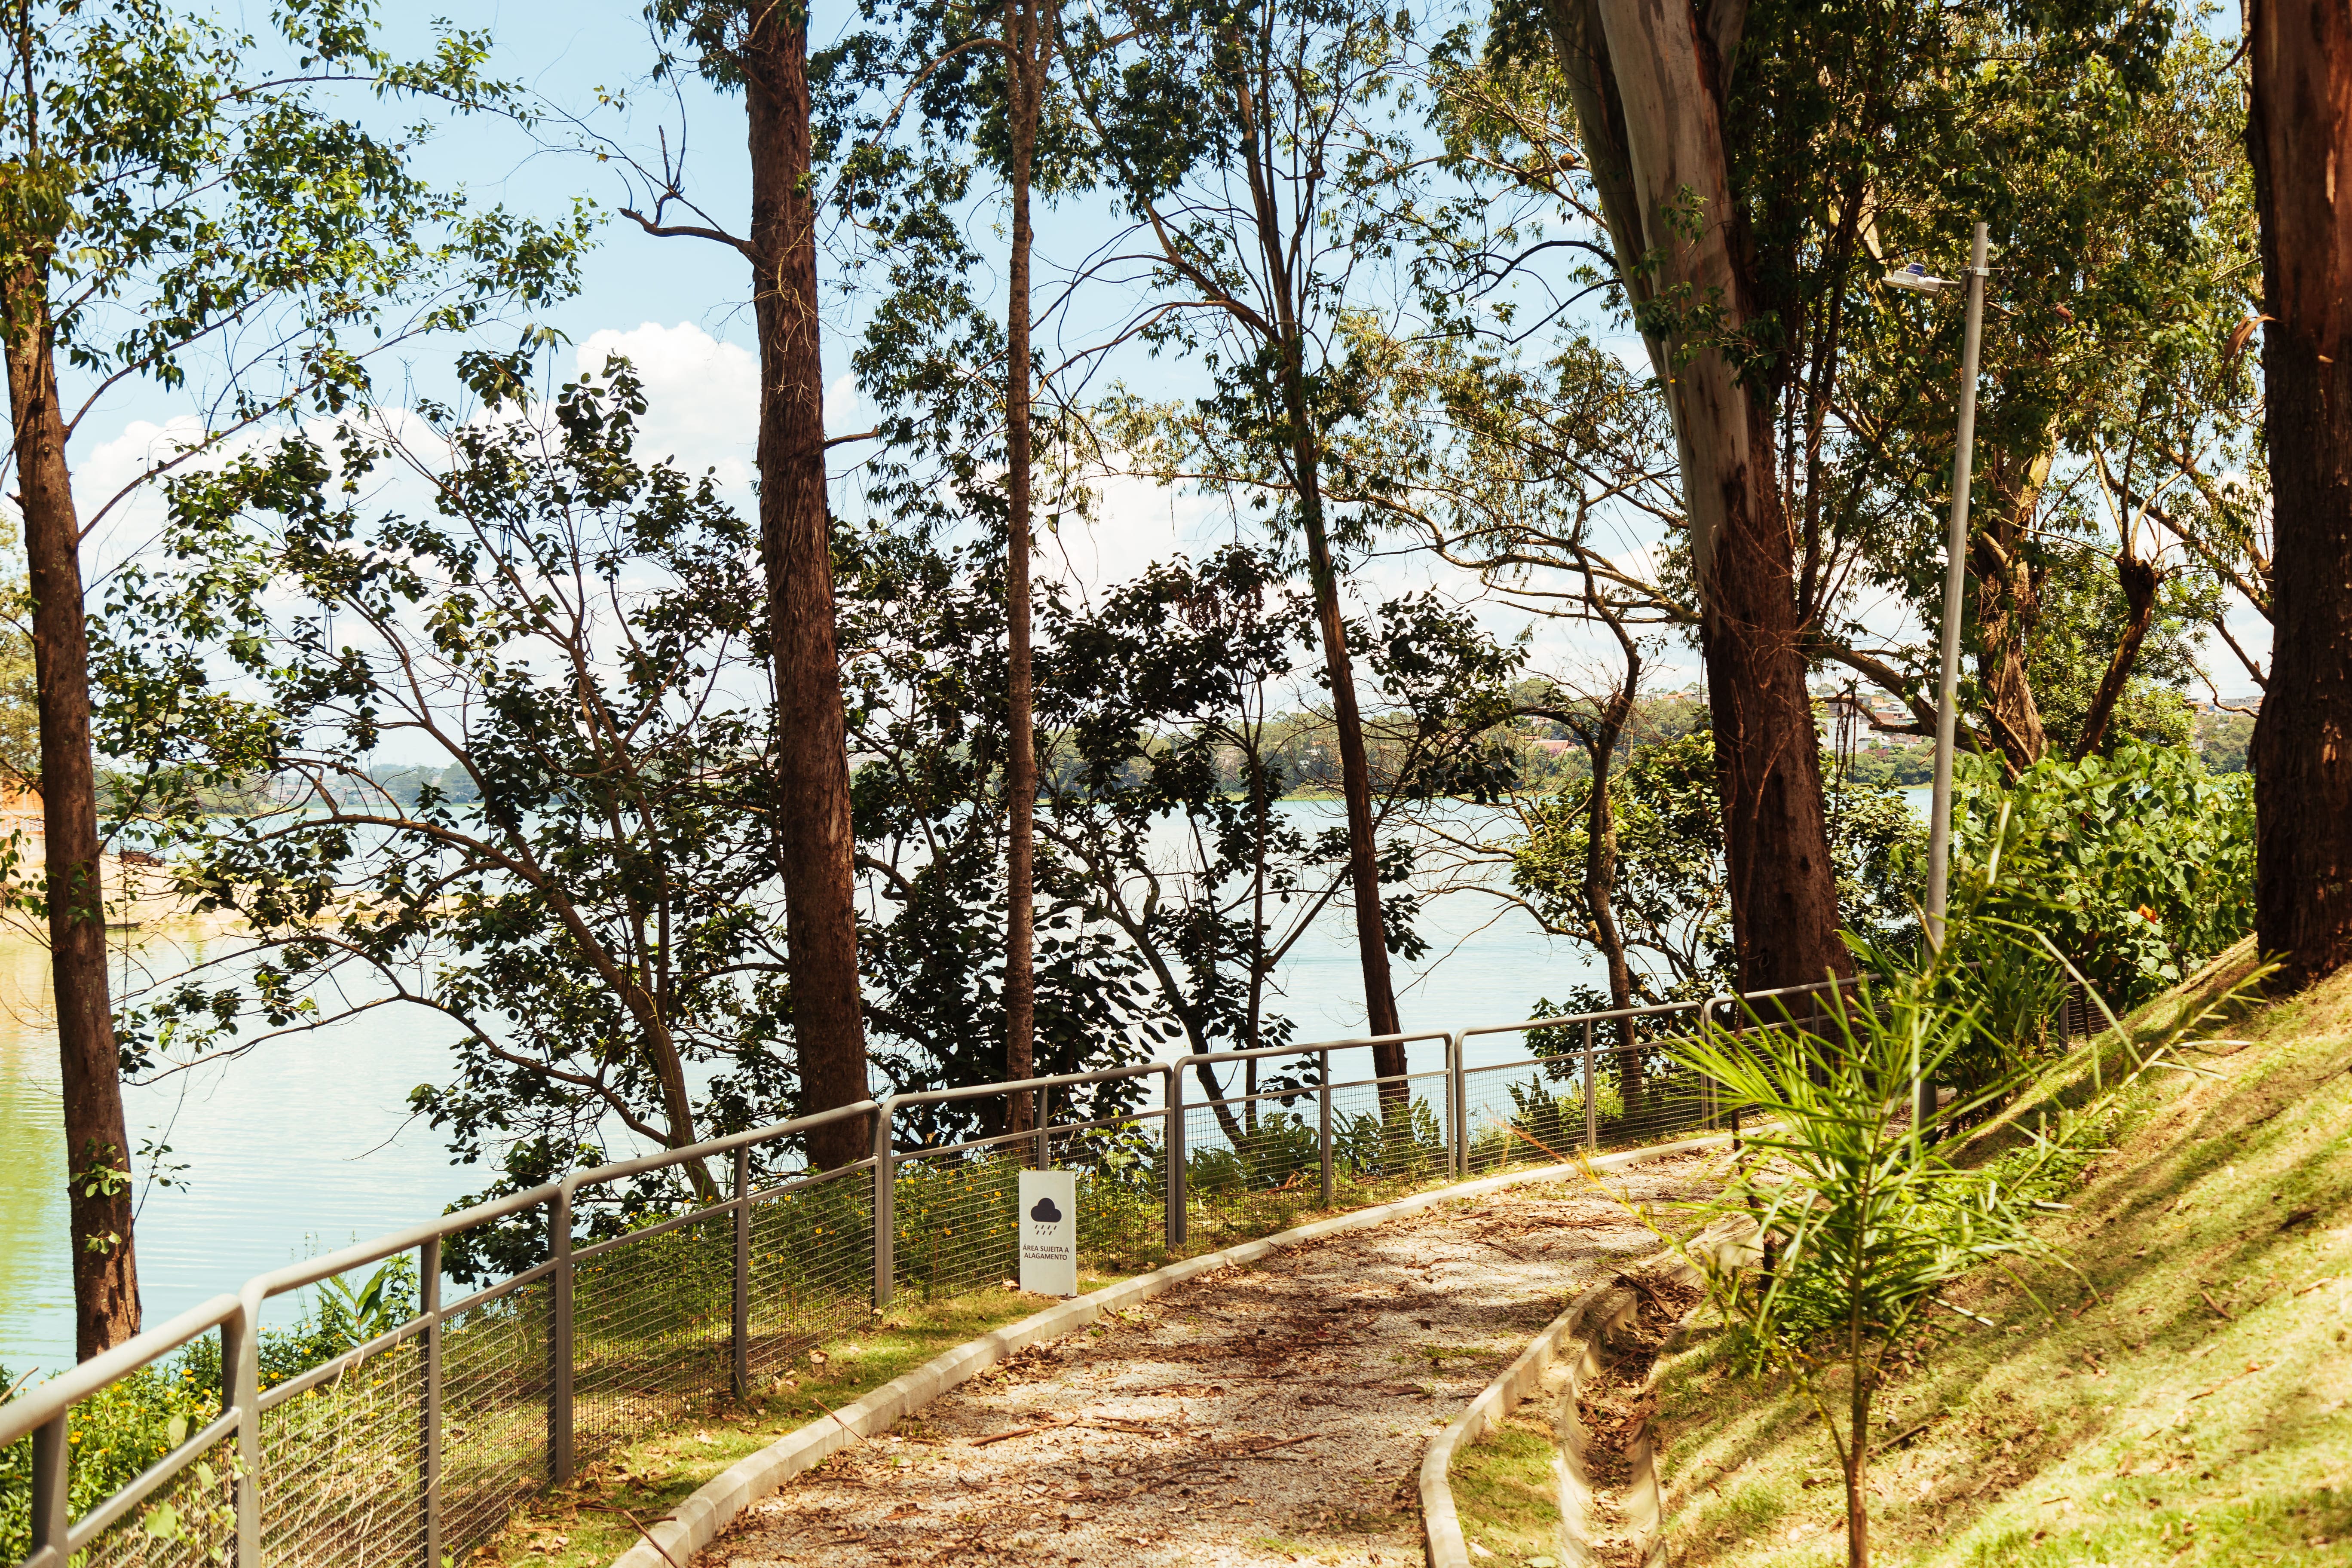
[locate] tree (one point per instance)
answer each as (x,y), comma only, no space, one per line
(2299,133)
(595,914)
(1652,84)
(986,79)
(1864,1221)
(2114,403)
(183,208)
(1669,901)
(762,50)
(1735,166)
(1169,695)
(1250,149)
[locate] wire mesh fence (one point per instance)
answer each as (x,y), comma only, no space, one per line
(493,1408)
(342,1465)
(652,1327)
(187,1521)
(809,1263)
(955,1209)
(1257,1162)
(631,1304)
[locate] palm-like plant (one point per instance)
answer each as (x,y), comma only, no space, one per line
(1863,1219)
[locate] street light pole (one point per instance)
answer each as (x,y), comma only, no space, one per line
(1956,549)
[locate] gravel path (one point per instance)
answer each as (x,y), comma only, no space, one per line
(1271,1415)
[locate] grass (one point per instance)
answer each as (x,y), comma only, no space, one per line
(566,1527)
(2183,1401)
(1508,1493)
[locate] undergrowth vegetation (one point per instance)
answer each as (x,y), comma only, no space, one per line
(2164,1379)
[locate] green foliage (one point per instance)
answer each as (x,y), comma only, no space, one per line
(1670,901)
(112,1437)
(2223,739)
(2138,866)
(1862,1220)
(1555,1122)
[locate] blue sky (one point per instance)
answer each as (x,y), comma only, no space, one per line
(677,305)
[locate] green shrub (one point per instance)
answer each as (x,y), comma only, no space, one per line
(2138,866)
(112,1436)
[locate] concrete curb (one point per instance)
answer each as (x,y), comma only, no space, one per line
(699,1518)
(1595,1316)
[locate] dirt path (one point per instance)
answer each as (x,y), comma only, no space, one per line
(1264,1416)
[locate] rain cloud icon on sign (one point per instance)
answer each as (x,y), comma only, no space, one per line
(1044,1213)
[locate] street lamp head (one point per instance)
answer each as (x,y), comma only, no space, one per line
(1916,278)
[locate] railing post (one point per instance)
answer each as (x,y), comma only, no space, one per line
(1457,1107)
(1591,1100)
(740,1324)
(241,1375)
(1732,1007)
(1177,1221)
(886,1231)
(1323,1128)
(52,1484)
(559,1337)
(428,1275)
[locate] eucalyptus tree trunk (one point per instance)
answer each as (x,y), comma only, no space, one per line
(97,1150)
(1654,79)
(1305,456)
(1024,74)
(1355,774)
(1600,860)
(2300,136)
(811,800)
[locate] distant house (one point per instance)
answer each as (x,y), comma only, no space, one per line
(20,818)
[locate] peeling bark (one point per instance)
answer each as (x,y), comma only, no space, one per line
(2300,136)
(1663,87)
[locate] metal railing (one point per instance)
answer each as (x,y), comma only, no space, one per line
(634,1308)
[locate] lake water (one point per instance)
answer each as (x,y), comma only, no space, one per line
(305,1145)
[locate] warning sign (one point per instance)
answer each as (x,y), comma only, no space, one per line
(1049,1232)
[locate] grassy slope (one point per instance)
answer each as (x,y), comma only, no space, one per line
(568,1528)
(2195,1414)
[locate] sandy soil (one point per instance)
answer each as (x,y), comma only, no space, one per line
(1271,1415)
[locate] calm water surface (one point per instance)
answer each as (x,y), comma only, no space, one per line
(305,1145)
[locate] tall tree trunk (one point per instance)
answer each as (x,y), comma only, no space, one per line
(1355,764)
(2008,606)
(1666,80)
(814,837)
(1355,781)
(2140,580)
(1022,70)
(98,1146)
(2300,136)
(1600,854)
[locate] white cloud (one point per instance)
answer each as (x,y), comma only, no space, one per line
(1135,524)
(840,405)
(702,396)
